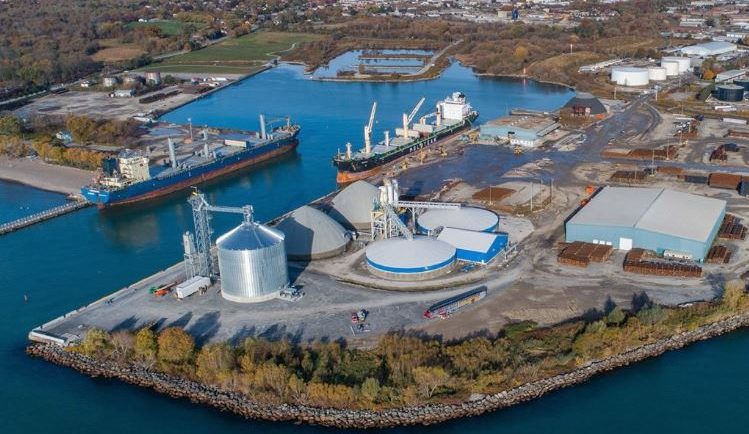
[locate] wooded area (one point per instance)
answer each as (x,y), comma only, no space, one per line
(404,368)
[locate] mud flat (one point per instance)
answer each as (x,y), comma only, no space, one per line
(476,404)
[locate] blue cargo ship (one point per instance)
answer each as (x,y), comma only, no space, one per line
(130,178)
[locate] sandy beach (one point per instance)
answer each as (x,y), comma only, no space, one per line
(35,173)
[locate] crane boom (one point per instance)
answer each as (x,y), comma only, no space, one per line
(415,110)
(368,129)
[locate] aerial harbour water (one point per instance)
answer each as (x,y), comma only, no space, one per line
(61,264)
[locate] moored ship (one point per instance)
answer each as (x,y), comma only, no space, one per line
(452,115)
(130,177)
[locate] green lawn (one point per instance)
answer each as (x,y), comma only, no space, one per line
(168,27)
(242,54)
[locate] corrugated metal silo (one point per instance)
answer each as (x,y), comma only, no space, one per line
(252,263)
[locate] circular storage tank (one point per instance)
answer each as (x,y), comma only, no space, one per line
(472,219)
(252,263)
(352,207)
(685,63)
(311,234)
(743,83)
(730,92)
(672,68)
(417,259)
(629,76)
(656,73)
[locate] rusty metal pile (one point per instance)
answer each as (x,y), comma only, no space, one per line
(581,254)
(724,180)
(493,194)
(718,255)
(642,261)
(732,229)
(670,170)
(629,177)
(719,155)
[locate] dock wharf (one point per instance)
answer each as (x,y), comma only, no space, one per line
(39,217)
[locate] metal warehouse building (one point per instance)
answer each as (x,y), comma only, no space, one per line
(665,221)
(472,246)
(520,130)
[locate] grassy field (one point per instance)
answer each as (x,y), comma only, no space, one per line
(168,27)
(236,56)
(115,51)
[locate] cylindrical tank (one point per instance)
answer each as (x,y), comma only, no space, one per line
(417,259)
(656,73)
(685,63)
(730,92)
(153,77)
(672,68)
(744,82)
(252,263)
(629,76)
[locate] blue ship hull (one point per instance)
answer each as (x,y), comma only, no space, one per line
(156,187)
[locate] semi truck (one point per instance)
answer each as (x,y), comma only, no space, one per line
(191,286)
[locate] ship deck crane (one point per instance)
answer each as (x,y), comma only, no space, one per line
(407,118)
(368,129)
(201,253)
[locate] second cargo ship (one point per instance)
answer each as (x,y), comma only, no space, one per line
(453,114)
(130,178)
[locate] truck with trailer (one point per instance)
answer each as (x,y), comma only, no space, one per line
(447,307)
(191,286)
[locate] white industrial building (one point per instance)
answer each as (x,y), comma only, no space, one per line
(714,48)
(629,76)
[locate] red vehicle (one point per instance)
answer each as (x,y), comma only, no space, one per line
(359,316)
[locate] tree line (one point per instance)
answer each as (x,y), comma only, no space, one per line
(406,369)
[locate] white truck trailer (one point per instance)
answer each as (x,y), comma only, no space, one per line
(191,286)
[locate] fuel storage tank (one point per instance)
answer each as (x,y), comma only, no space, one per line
(629,76)
(730,92)
(743,82)
(684,63)
(672,68)
(252,263)
(656,73)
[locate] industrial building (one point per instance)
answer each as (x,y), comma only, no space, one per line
(585,104)
(401,258)
(472,246)
(665,221)
(629,76)
(311,234)
(352,206)
(467,218)
(252,263)
(706,49)
(523,130)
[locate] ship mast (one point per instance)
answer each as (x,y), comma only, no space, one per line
(408,118)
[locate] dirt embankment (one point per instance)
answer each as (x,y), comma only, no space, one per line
(50,177)
(352,418)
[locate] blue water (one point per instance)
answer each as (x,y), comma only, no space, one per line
(72,260)
(18,201)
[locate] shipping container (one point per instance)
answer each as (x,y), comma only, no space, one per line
(191,286)
(724,180)
(695,179)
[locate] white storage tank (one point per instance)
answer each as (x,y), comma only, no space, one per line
(252,263)
(403,259)
(685,63)
(629,76)
(468,218)
(656,73)
(672,68)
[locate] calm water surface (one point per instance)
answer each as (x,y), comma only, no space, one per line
(72,260)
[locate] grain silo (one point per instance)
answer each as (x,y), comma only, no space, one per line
(352,206)
(416,259)
(311,234)
(252,263)
(629,76)
(468,218)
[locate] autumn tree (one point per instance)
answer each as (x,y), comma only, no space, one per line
(10,126)
(176,347)
(146,346)
(123,344)
(96,342)
(733,293)
(215,363)
(82,128)
(429,378)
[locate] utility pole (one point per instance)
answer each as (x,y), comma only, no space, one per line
(189,121)
(531,197)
